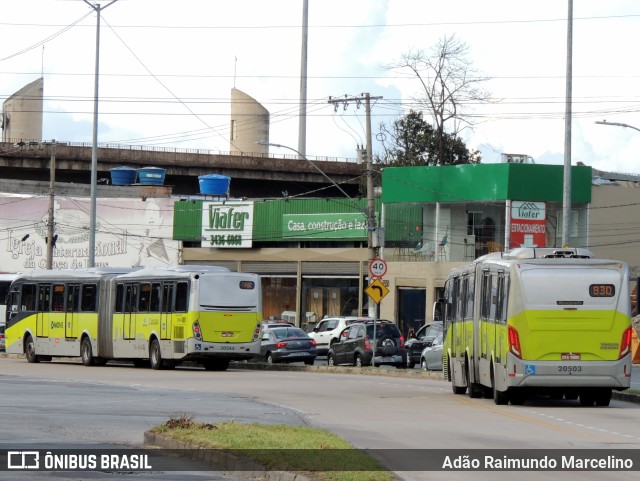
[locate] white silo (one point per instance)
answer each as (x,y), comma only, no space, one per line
(249,124)
(22,113)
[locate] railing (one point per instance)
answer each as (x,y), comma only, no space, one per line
(26,144)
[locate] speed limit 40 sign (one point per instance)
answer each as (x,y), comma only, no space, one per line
(378,267)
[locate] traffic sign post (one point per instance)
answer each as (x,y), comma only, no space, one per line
(378,267)
(377,290)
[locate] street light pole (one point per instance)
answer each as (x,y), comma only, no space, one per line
(94,149)
(53,150)
(618,124)
(262,142)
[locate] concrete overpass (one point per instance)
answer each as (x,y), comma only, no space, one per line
(252,175)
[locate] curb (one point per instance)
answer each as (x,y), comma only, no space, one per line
(363,371)
(229,463)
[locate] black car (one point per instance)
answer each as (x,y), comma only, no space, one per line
(357,342)
(423,338)
(287,344)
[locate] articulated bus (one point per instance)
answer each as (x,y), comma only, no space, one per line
(538,321)
(154,317)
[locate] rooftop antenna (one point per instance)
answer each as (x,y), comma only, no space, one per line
(235,68)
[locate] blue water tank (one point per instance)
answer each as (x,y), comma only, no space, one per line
(151,175)
(214,184)
(123,175)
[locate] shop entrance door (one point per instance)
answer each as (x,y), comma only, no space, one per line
(411,309)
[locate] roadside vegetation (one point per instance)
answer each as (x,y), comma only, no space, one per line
(313,452)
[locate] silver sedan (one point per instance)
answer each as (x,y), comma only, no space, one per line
(431,357)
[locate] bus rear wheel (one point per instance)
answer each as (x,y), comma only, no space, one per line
(155,356)
(603,397)
(30,350)
(86,352)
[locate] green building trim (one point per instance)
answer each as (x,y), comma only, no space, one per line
(483,182)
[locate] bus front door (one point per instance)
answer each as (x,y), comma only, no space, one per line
(130,303)
(167,309)
(71,311)
(43,307)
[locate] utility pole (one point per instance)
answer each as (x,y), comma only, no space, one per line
(53,150)
(371,215)
(94,149)
(302,127)
(566,195)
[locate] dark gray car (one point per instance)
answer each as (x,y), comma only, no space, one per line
(423,338)
(287,344)
(357,343)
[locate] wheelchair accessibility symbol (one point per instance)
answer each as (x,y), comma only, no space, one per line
(529,370)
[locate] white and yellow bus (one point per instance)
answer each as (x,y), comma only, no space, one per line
(157,316)
(538,321)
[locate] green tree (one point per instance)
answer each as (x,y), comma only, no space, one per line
(410,140)
(449,86)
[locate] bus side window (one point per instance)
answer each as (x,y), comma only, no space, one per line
(119,297)
(493,308)
(155,297)
(145,297)
(29,297)
(182,296)
(131,298)
(57,300)
(44,298)
(468,312)
(89,298)
(167,298)
(133,304)
(485,296)
(72,298)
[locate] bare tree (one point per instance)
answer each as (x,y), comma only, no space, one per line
(449,85)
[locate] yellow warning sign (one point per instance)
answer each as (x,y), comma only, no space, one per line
(377,290)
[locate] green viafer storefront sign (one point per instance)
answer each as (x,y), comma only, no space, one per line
(351,225)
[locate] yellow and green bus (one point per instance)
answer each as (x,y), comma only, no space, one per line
(538,321)
(156,316)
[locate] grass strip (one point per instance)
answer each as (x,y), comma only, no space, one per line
(315,452)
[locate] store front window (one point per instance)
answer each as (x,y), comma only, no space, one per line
(279,298)
(328,296)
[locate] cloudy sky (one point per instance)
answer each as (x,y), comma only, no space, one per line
(167,69)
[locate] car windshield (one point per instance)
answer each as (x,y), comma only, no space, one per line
(383,330)
(283,333)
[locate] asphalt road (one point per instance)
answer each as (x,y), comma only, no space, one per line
(69,403)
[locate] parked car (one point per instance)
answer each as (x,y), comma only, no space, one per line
(423,338)
(356,344)
(326,331)
(2,339)
(287,344)
(431,356)
(271,324)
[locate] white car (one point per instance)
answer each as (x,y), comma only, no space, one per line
(328,329)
